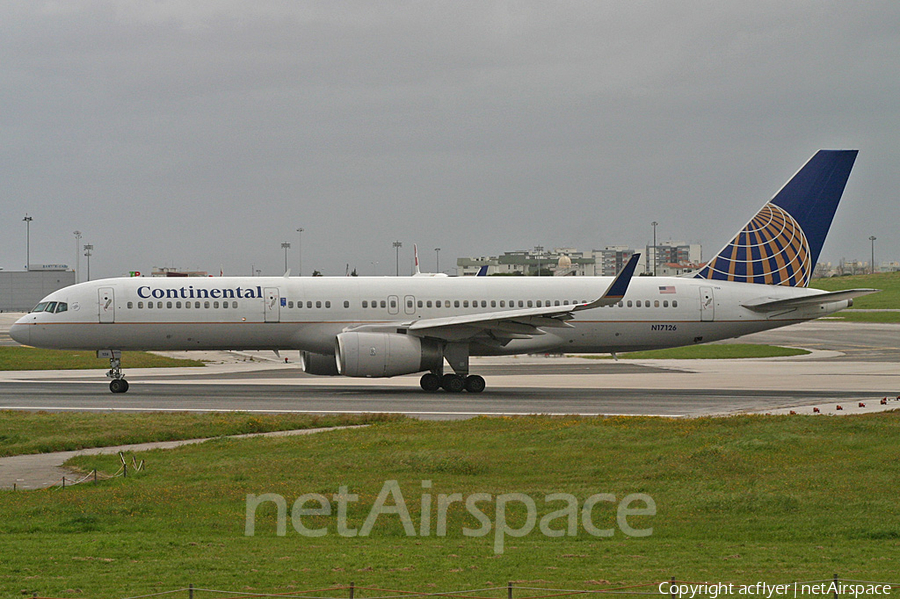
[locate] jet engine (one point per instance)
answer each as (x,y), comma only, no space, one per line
(385,354)
(313,363)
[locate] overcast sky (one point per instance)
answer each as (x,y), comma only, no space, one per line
(203,134)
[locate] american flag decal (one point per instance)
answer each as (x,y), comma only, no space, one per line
(667,289)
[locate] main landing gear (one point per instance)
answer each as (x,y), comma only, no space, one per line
(454,383)
(118,384)
(457,355)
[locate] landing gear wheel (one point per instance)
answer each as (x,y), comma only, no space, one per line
(118,385)
(452,383)
(474,383)
(430,382)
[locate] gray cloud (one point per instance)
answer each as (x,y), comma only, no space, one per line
(203,134)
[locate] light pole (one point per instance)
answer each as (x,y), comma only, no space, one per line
(539,250)
(300,251)
(397,246)
(285,246)
(77,254)
(654,223)
(872,238)
(27,220)
(88,251)
(437,252)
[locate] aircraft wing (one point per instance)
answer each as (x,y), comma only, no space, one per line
(522,323)
(766,305)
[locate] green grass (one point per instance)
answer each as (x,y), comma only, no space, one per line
(738,499)
(888,298)
(851,315)
(724,351)
(43,432)
(30,358)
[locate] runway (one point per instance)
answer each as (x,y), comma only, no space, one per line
(852,363)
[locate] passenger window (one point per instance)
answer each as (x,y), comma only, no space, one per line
(656,303)
(169,305)
(206,305)
(346,304)
(393,303)
(565,302)
(409,303)
(674,303)
(484,303)
(665,303)
(540,304)
(309,304)
(493,303)
(365,304)
(130,306)
(290,304)
(456,303)
(629,303)
(149,305)
(428,303)
(216,305)
(529,303)
(465,303)
(556,303)
(619,304)
(319,304)
(422,304)
(502,303)
(328,304)
(187,305)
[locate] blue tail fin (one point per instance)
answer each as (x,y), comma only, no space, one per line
(781,244)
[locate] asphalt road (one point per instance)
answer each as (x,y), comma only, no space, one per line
(853,363)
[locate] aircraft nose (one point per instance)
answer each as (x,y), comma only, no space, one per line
(21,333)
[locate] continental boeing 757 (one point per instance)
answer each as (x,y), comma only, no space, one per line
(384,327)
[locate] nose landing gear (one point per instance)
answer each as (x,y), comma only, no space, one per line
(118,384)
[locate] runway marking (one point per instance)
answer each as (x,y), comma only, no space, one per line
(403,412)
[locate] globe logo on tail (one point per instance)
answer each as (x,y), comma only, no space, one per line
(772,249)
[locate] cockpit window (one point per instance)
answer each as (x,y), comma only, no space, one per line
(61,307)
(51,307)
(40,307)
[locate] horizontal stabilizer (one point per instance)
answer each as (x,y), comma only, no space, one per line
(766,305)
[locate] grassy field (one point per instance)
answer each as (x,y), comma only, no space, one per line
(43,432)
(722,351)
(887,299)
(740,499)
(30,358)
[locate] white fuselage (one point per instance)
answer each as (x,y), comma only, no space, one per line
(307,313)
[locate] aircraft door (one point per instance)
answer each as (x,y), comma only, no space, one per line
(273,304)
(707,304)
(409,304)
(107,305)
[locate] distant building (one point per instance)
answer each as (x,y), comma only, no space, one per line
(558,262)
(20,291)
(687,256)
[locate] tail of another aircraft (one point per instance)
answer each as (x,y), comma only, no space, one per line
(781,244)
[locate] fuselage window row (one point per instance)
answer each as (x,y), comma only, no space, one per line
(57,307)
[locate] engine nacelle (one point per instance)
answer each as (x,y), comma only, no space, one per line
(313,363)
(385,354)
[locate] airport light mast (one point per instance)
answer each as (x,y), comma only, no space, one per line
(27,221)
(397,246)
(285,246)
(872,238)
